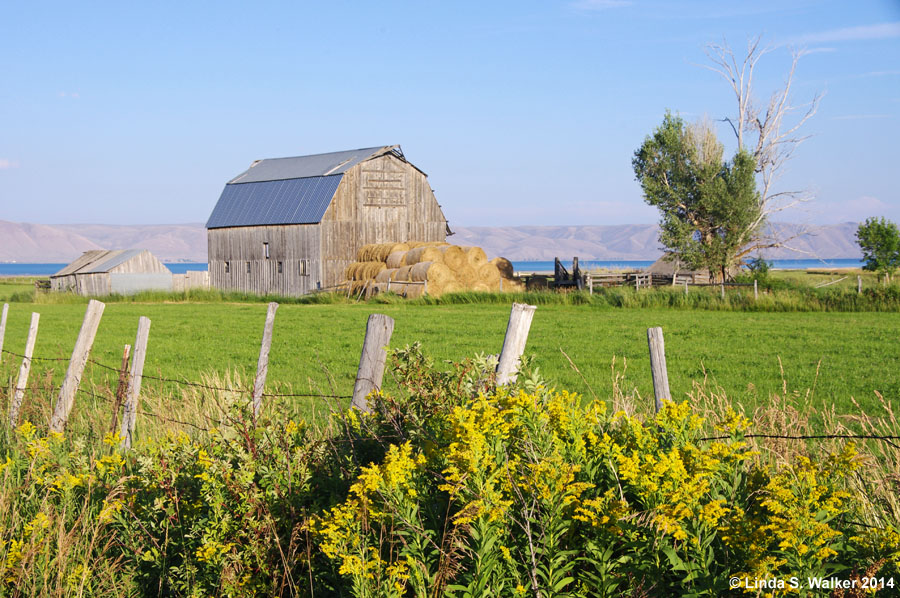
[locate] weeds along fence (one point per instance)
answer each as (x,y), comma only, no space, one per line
(125,404)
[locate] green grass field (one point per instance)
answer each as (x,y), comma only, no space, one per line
(827,358)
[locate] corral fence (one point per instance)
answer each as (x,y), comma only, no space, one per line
(369,376)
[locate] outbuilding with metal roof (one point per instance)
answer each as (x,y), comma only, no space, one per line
(290,226)
(103,272)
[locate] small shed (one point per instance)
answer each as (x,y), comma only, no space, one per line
(103,272)
(290,226)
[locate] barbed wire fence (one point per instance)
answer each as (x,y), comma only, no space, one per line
(369,375)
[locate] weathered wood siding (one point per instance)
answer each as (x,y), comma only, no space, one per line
(244,247)
(378,201)
(143,263)
(92,285)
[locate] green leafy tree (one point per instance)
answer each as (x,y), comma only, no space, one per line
(879,240)
(709,208)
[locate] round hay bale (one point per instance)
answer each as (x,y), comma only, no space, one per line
(430,271)
(415,244)
(364,252)
(396,259)
(475,255)
(481,287)
(467,276)
(385,275)
(424,253)
(489,273)
(453,256)
(383,250)
(402,274)
(414,291)
(505,267)
(364,270)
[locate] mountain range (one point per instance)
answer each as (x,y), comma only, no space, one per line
(61,243)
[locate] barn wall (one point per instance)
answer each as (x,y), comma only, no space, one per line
(92,285)
(378,201)
(62,283)
(130,283)
(289,245)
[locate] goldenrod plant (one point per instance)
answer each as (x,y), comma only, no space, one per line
(449,487)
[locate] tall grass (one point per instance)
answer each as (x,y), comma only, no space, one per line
(782,297)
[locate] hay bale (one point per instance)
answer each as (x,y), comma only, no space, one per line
(481,287)
(397,259)
(414,291)
(453,256)
(489,275)
(378,252)
(425,253)
(467,276)
(416,244)
(505,267)
(513,286)
(430,271)
(385,275)
(363,270)
(475,255)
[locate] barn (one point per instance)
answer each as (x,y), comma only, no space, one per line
(103,272)
(290,226)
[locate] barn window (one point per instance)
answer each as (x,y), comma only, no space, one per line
(248,267)
(266,249)
(304,267)
(280,268)
(227,267)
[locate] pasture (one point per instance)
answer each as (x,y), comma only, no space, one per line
(821,359)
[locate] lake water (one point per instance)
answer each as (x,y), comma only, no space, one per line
(637,264)
(182,267)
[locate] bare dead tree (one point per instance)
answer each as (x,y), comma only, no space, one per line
(769,131)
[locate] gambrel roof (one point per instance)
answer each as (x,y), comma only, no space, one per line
(288,190)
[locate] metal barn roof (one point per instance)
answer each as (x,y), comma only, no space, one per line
(294,201)
(98,261)
(110,261)
(288,190)
(279,169)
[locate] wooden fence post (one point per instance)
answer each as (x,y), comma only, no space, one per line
(262,366)
(120,388)
(76,365)
(722,285)
(22,383)
(685,287)
(379,329)
(858,287)
(658,366)
(590,284)
(520,317)
(755,291)
(3,327)
(134,382)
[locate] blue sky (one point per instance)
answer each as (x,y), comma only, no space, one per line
(521,112)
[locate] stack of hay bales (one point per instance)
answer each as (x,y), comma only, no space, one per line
(439,267)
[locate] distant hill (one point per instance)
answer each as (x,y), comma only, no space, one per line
(637,241)
(45,243)
(23,242)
